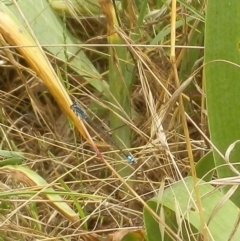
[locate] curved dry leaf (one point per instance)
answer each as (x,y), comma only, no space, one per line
(31,178)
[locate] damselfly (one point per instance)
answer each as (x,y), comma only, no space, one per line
(81,113)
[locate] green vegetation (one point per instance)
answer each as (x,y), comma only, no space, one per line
(161,78)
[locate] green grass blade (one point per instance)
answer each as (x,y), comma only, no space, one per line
(119,86)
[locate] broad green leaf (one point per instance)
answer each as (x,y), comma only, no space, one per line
(205,167)
(222,76)
(180,212)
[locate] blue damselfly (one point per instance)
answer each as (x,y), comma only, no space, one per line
(82,114)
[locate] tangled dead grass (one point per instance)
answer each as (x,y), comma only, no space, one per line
(33,123)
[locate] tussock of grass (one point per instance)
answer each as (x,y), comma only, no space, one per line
(33,123)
